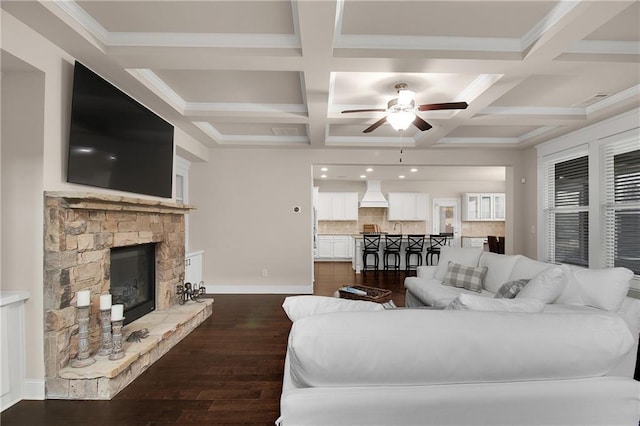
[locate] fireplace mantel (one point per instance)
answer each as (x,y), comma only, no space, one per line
(80,230)
(106,202)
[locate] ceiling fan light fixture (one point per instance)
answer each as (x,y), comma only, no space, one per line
(401,120)
(405,97)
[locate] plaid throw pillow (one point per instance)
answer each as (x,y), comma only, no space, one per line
(510,289)
(466,277)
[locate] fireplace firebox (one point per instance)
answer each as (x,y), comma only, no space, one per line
(133,278)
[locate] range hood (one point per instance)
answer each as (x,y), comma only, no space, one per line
(373,196)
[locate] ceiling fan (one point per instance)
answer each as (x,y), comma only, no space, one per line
(402,111)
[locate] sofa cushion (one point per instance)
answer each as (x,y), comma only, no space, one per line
(381,348)
(469,302)
(527,268)
(499,269)
(600,288)
(426,271)
(297,307)
(510,289)
(546,286)
(468,277)
(431,292)
(462,255)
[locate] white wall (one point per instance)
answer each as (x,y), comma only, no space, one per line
(31,131)
(22,205)
(244,220)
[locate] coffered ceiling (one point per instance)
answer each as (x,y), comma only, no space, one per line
(279,73)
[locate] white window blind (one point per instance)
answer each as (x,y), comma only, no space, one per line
(566,210)
(620,209)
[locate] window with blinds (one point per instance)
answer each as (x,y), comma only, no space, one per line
(567,211)
(621,204)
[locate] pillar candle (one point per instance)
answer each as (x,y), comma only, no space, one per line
(83,298)
(117,312)
(105,302)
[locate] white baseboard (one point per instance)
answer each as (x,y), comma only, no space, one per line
(31,390)
(259,289)
(34,389)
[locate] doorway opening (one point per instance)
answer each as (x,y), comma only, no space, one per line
(446,218)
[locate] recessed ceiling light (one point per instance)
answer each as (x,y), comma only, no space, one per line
(369,169)
(324,169)
(401,176)
(323,176)
(414,170)
(363,176)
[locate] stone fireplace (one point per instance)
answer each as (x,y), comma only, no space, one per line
(81,229)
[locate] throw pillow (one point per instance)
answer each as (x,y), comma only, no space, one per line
(500,267)
(546,286)
(599,288)
(468,277)
(297,307)
(462,255)
(470,302)
(510,289)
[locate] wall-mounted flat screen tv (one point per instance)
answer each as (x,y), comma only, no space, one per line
(115,142)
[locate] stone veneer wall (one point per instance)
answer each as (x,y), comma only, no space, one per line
(80,230)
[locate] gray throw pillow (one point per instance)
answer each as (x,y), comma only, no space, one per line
(510,289)
(468,277)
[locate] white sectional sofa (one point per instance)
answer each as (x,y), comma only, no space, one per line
(575,290)
(495,363)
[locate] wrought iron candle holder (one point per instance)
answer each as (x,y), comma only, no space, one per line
(83,359)
(189,291)
(116,351)
(107,342)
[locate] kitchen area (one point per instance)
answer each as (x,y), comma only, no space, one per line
(345,210)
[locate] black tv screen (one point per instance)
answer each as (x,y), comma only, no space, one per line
(115,142)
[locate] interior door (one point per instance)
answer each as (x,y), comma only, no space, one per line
(446,218)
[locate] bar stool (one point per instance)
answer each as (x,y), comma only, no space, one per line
(494,246)
(371,245)
(392,247)
(501,245)
(436,242)
(415,244)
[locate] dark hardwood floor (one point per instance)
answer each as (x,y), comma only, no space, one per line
(226,372)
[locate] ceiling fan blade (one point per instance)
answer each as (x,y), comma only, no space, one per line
(375,125)
(364,110)
(421,124)
(446,105)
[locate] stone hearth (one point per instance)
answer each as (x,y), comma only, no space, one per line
(80,230)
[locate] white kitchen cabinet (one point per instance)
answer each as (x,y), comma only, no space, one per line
(473,242)
(193,267)
(483,207)
(325,247)
(332,247)
(498,206)
(408,206)
(337,206)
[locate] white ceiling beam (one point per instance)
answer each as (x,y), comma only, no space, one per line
(317,22)
(576,24)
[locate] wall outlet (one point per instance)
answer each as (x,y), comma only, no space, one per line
(265,272)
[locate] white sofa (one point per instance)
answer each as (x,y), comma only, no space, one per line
(578,289)
(567,365)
